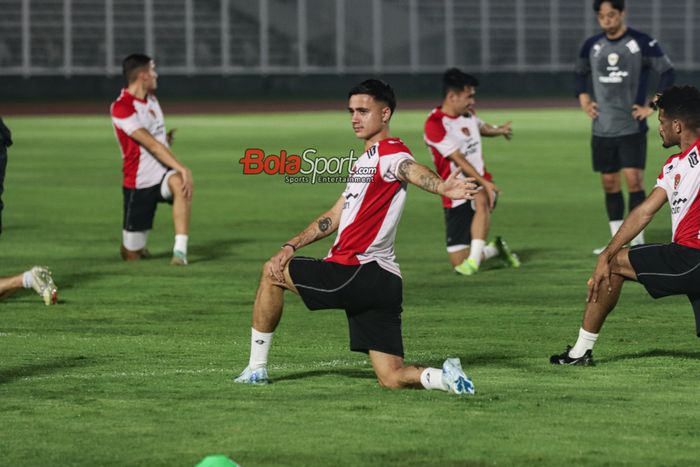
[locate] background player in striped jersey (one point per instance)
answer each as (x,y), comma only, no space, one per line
(360,273)
(152,174)
(453,134)
(663,269)
(618,61)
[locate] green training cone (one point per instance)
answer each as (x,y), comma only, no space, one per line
(217,461)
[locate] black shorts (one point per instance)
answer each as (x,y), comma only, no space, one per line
(610,154)
(458,225)
(669,269)
(371,297)
(140,207)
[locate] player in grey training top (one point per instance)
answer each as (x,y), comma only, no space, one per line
(618,61)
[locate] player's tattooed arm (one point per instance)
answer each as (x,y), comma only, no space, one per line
(412,172)
(326,224)
(455,188)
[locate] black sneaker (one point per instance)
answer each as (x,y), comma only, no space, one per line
(564,359)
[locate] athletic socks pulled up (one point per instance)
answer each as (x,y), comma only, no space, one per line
(615,206)
(586,341)
(476,250)
(181,243)
(259,348)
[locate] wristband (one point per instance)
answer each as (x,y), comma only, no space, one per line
(289,244)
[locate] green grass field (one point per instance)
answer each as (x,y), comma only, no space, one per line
(134,365)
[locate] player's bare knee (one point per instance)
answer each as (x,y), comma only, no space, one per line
(175,184)
(265,273)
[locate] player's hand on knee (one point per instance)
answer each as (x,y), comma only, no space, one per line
(492,191)
(601,277)
(277,264)
(187,187)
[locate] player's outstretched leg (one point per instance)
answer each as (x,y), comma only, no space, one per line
(37,278)
(505,253)
(267,312)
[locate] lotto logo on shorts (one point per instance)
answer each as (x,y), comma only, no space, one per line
(305,168)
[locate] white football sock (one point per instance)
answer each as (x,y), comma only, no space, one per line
(638,240)
(586,341)
(27,280)
(259,348)
(181,243)
(431,378)
(476,250)
(614,227)
(490,251)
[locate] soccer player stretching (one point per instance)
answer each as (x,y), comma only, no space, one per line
(360,274)
(152,174)
(663,269)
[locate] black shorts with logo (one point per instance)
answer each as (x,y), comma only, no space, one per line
(669,269)
(610,154)
(371,297)
(140,207)
(458,225)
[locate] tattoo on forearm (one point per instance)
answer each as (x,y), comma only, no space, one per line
(404,168)
(324,224)
(429,182)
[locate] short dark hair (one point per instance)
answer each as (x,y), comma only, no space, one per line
(378,89)
(618,5)
(681,103)
(133,64)
(455,79)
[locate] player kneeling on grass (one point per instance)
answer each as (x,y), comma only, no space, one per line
(663,269)
(360,274)
(152,174)
(453,133)
(37,278)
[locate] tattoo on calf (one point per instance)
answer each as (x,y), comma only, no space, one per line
(404,168)
(324,224)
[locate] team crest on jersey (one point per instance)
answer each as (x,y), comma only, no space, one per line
(466,131)
(613,58)
(676,181)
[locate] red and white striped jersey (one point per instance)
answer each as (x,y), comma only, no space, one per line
(444,135)
(141,169)
(372,209)
(680,178)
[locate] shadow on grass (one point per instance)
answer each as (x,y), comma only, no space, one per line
(12,374)
(215,249)
(203,252)
(651,354)
(346,372)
